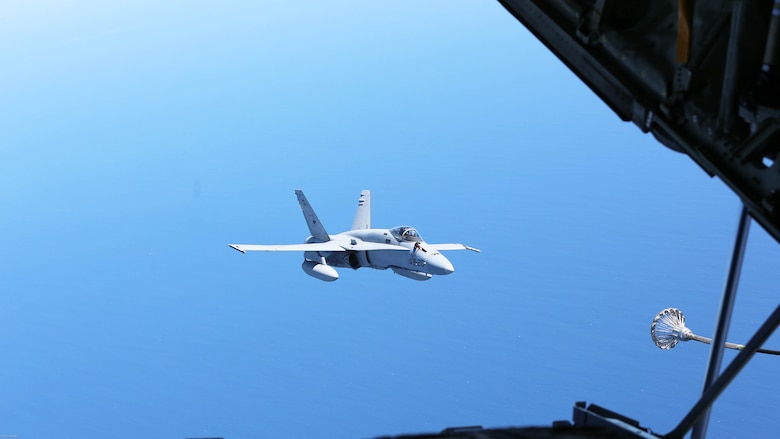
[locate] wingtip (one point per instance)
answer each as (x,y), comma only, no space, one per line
(235,247)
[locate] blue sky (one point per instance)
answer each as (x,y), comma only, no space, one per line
(138,140)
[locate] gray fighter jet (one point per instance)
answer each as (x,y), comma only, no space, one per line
(400,249)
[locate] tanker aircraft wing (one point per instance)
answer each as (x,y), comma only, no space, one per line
(702,76)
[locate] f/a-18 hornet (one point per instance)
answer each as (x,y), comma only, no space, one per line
(400,249)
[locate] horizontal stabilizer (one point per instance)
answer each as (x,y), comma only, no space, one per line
(451,247)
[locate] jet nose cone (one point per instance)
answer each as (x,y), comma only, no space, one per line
(441,266)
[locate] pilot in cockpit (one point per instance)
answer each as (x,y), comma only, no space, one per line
(406,234)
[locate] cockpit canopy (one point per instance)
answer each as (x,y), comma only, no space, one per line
(406,233)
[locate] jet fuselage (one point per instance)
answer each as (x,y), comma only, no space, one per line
(419,262)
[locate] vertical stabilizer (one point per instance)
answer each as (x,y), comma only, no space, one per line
(315,226)
(363,214)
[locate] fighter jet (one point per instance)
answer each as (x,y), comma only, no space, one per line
(400,249)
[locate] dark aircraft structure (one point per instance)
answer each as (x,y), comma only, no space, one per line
(704,78)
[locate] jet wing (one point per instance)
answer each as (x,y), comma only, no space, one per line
(371,246)
(314,247)
(451,247)
(329,246)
